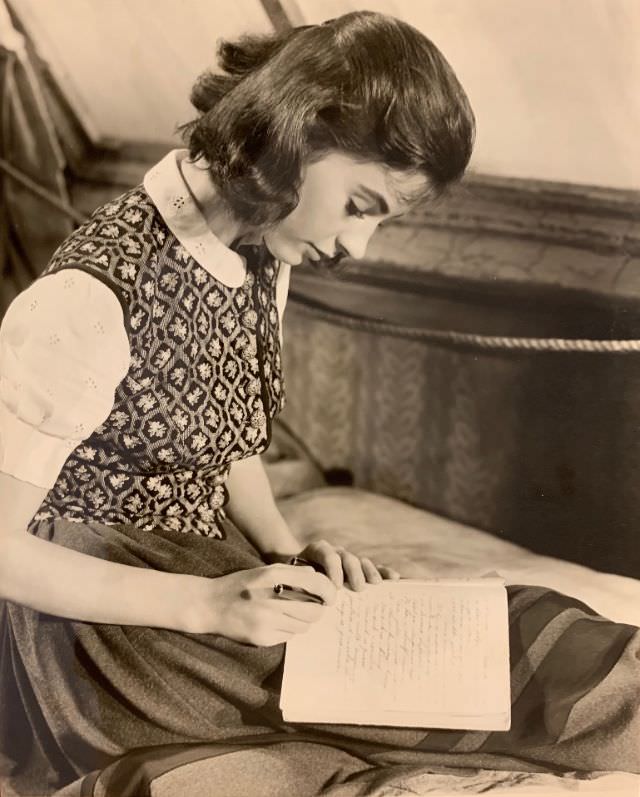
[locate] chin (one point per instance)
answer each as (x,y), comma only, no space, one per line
(293,261)
(284,253)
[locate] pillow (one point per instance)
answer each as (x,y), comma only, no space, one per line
(290,466)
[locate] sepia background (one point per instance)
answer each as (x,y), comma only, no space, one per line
(448,369)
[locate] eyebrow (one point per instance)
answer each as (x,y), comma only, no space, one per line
(381,203)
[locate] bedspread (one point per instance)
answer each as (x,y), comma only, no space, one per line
(419,544)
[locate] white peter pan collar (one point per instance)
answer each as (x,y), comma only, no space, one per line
(176,203)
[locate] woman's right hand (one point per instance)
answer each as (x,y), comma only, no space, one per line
(243,605)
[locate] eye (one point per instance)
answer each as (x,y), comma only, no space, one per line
(354,210)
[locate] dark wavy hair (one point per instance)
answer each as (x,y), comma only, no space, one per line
(365,84)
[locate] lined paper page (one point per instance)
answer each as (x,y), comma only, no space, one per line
(427,654)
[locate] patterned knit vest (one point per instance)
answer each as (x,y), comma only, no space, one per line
(203,386)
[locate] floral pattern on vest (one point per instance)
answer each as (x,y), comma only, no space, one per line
(203,386)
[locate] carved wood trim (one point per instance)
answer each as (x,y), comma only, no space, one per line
(601,220)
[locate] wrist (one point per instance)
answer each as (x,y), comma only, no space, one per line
(278,544)
(284,557)
(198,607)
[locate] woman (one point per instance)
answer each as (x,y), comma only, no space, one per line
(140,378)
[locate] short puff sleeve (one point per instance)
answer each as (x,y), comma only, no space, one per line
(63,351)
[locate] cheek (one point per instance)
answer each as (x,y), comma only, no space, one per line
(313,219)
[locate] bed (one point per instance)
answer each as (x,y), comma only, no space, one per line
(418,543)
(439,459)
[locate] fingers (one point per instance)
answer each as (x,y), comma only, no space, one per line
(332,564)
(370,571)
(303,578)
(353,570)
(388,573)
(301,610)
(291,625)
(271,620)
(341,567)
(282,630)
(361,570)
(289,618)
(323,553)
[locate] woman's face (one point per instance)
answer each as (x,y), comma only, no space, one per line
(342,201)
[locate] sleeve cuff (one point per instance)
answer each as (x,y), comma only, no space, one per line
(28,454)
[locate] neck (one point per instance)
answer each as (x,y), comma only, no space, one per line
(221,221)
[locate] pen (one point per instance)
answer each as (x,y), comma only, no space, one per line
(288,593)
(298,561)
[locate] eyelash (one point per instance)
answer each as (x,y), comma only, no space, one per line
(354,210)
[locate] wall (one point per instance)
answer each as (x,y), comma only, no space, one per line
(553,82)
(538,447)
(128,65)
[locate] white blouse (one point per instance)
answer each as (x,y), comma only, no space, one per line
(63,351)
(63,343)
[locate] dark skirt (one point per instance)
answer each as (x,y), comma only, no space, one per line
(76,696)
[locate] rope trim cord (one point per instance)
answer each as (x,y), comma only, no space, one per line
(450,337)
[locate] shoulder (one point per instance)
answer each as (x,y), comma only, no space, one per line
(120,240)
(123,244)
(63,351)
(72,301)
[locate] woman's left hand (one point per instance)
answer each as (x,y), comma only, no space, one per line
(342,566)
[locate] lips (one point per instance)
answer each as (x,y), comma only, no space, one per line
(326,264)
(321,255)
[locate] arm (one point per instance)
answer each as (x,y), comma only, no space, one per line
(253,509)
(36,436)
(59,581)
(101,591)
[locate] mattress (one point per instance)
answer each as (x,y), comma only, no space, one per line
(420,544)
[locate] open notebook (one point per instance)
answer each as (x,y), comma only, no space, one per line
(432,654)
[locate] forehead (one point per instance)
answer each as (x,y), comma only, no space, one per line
(399,188)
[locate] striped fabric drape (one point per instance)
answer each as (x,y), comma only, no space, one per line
(574,707)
